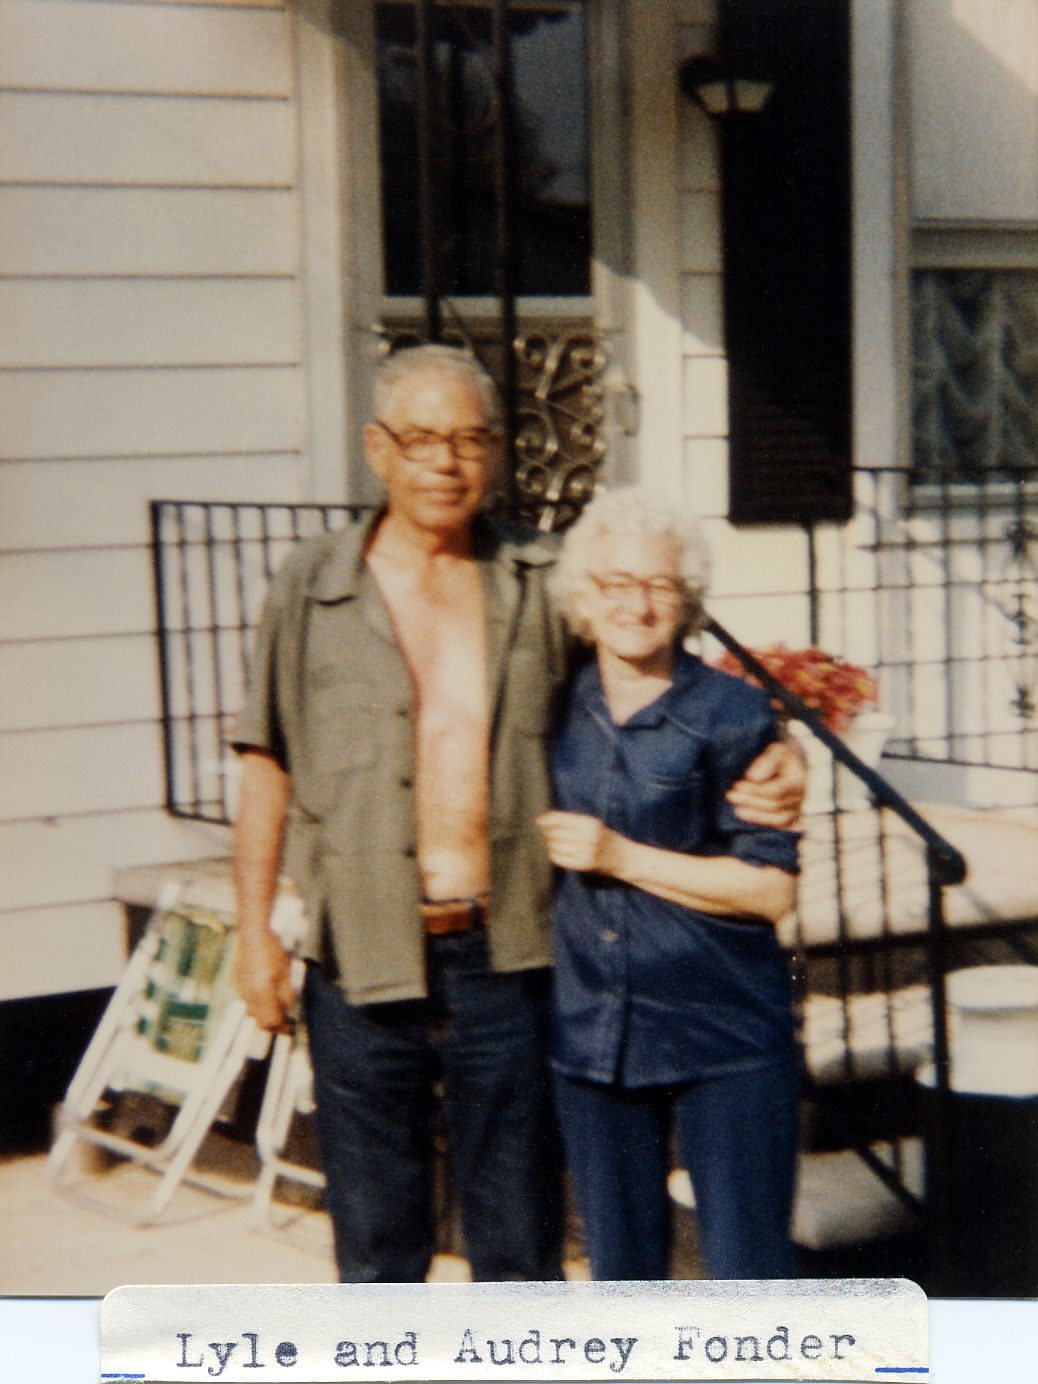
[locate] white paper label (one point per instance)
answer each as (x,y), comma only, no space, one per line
(813,1329)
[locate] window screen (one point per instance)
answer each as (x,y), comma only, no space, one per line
(553,218)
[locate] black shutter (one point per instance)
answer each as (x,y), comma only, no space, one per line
(787,264)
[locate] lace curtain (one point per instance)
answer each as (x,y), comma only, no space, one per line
(975,362)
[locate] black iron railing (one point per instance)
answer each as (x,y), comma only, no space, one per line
(935,585)
(950,865)
(944,865)
(212,565)
(850,941)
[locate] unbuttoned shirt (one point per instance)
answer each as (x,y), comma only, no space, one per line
(647,991)
(332,699)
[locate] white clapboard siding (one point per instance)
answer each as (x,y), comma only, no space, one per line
(705,388)
(751,562)
(87,769)
(129,322)
(55,950)
(100,591)
(702,314)
(78,682)
(72,859)
(150,140)
(706,475)
(112,413)
(704,385)
(758,621)
(57,46)
(151,347)
(130,230)
(700,231)
(87,504)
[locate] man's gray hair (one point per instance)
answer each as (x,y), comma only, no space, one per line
(448,360)
(631,512)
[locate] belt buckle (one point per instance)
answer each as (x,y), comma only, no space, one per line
(458,916)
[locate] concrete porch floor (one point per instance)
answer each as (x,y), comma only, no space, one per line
(59,1246)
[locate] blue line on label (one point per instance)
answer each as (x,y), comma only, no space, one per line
(902,1369)
(123,1376)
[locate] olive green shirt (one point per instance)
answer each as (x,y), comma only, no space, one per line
(331,697)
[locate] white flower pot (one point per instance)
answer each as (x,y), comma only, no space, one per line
(993,1043)
(866,736)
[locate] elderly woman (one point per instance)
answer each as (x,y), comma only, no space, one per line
(672,1003)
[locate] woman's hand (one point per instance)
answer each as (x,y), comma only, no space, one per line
(577,842)
(718,884)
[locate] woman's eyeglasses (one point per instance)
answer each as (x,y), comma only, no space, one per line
(618,587)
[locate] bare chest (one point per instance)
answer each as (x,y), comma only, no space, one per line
(440,626)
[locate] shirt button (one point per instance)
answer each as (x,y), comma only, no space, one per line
(406,783)
(404,711)
(410,852)
(608,935)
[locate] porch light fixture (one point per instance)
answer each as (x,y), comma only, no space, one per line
(722,94)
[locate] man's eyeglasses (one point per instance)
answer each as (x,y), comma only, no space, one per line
(422,444)
(619,587)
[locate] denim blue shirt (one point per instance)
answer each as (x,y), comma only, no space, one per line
(649,992)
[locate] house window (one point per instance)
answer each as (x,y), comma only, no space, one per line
(975,374)
(559,361)
(553,214)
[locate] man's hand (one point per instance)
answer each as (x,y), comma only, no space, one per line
(263,976)
(771,792)
(577,842)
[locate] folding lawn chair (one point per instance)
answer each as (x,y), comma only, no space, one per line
(174,1031)
(289,1091)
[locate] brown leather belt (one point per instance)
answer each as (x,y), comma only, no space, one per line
(444,916)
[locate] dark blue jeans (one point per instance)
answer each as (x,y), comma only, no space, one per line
(737,1136)
(480,1036)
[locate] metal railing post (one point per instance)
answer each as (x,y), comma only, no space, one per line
(505,200)
(424,39)
(158,567)
(938,1125)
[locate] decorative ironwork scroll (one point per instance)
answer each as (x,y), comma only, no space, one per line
(562,410)
(1022,614)
(559,441)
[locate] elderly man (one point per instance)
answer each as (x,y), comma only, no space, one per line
(402,686)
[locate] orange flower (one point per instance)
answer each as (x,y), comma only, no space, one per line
(835,689)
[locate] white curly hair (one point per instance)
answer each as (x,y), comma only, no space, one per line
(631,511)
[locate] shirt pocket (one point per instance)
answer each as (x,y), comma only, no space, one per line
(341,738)
(672,808)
